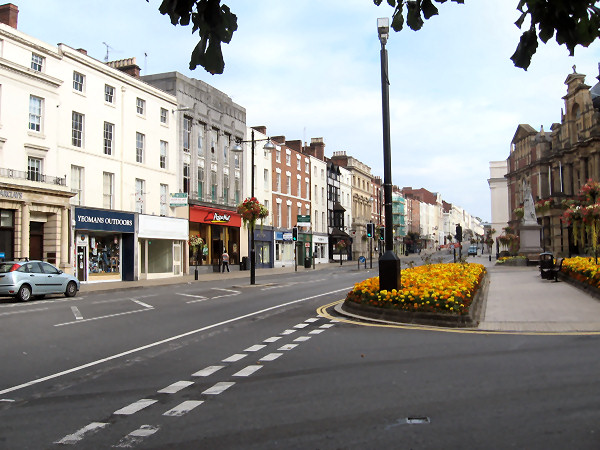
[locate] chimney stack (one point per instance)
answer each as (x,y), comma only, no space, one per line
(129,66)
(9,14)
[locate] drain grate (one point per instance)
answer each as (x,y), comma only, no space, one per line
(417,420)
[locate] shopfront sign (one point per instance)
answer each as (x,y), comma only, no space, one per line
(104,220)
(11,194)
(178,199)
(215,216)
(283,236)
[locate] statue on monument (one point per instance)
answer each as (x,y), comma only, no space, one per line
(529,217)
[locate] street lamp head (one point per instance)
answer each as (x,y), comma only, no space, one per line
(269,145)
(237,148)
(383,29)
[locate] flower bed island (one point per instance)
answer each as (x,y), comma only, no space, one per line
(435,294)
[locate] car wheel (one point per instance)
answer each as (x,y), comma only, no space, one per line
(71,289)
(24,293)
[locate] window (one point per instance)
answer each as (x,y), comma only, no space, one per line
(213,144)
(109,131)
(213,186)
(278,155)
(307,189)
(288,159)
(139,147)
(289,184)
(109,94)
(78,81)
(278,181)
(163,154)
(34,169)
(108,189)
(289,216)
(186,178)
(37,62)
(140,194)
(299,188)
(266,179)
(226,147)
(279,215)
(140,106)
(201,139)
(307,166)
(77,185)
(225,188)
(236,161)
(187,133)
(298,162)
(77,129)
(237,191)
(200,182)
(35,113)
(316,198)
(164,116)
(164,194)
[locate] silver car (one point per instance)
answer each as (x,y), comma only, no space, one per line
(26,279)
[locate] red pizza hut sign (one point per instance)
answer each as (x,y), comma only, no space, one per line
(215,216)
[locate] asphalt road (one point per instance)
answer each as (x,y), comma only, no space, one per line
(221,365)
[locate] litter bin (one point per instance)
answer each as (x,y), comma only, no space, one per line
(307,262)
(244,263)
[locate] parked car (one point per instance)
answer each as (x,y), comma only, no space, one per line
(472,250)
(24,279)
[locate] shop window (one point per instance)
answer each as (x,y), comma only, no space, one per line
(160,256)
(104,254)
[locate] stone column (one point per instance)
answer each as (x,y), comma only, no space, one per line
(25,230)
(596,166)
(64,239)
(568,178)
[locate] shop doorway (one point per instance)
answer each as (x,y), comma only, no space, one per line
(36,240)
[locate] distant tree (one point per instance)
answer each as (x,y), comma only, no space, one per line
(573,22)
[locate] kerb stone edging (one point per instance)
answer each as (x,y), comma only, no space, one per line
(470,320)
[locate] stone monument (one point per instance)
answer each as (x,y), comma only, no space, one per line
(529,230)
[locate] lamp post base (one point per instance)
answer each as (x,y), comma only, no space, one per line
(389,271)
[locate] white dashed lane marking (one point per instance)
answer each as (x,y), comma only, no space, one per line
(80,434)
(235,358)
(272,339)
(288,332)
(301,325)
(183,408)
(175,387)
(312,319)
(219,388)
(302,339)
(76,313)
(271,357)
(135,407)
(327,325)
(207,371)
(247,371)
(137,436)
(255,348)
(315,331)
(288,347)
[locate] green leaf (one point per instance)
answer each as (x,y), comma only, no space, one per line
(397,20)
(413,17)
(429,10)
(525,50)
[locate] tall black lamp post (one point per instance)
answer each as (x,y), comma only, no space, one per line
(389,263)
(237,148)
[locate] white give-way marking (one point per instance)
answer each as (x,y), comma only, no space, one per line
(164,341)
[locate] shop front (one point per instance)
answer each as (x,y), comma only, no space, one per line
(320,248)
(263,244)
(161,242)
(304,248)
(284,249)
(104,245)
(219,230)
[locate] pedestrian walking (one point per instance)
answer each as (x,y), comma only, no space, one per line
(225,259)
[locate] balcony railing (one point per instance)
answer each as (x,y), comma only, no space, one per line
(33,176)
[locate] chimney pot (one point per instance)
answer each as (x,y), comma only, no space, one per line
(9,14)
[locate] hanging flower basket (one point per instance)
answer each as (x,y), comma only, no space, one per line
(196,241)
(519,212)
(251,210)
(340,245)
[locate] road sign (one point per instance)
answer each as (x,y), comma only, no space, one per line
(362,259)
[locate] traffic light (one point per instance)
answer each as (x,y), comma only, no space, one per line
(295,233)
(382,234)
(458,233)
(370,229)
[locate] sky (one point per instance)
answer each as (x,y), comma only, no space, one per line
(311,68)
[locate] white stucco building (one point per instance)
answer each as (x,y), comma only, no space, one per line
(499,196)
(88,149)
